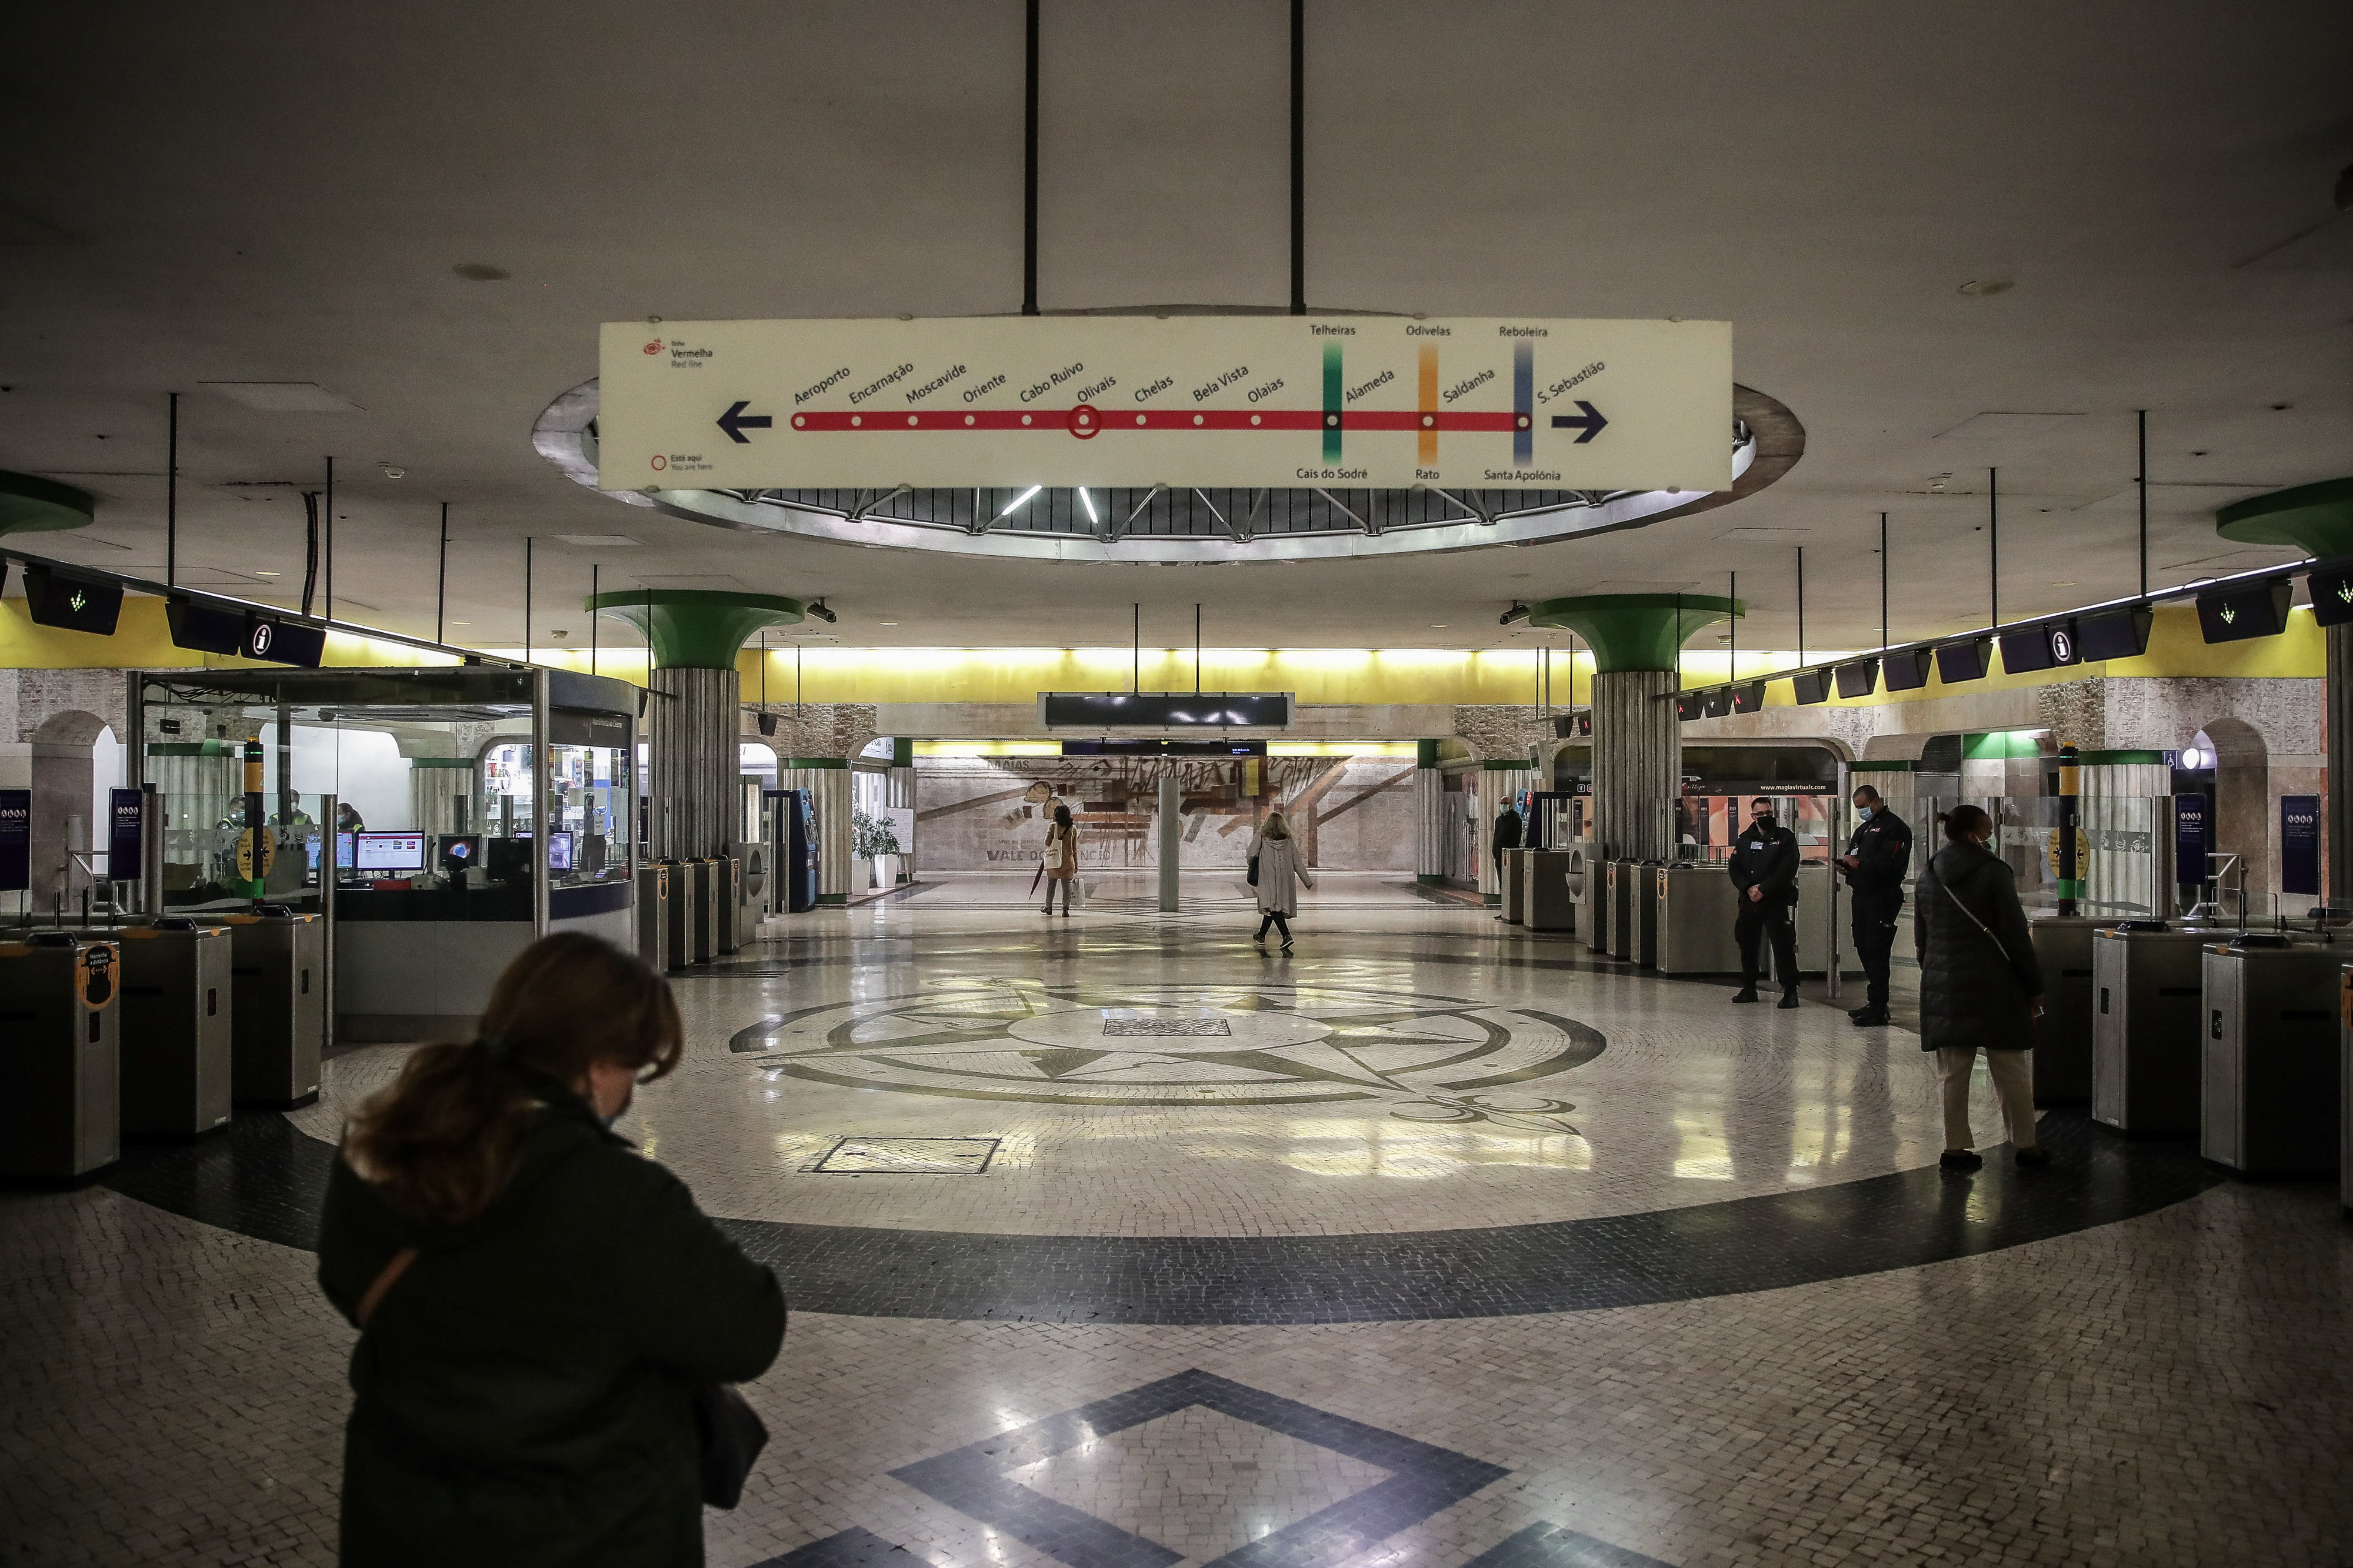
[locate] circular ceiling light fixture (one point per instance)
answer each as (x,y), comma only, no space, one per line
(482,272)
(1978,287)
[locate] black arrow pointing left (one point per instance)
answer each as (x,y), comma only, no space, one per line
(1589,422)
(735,422)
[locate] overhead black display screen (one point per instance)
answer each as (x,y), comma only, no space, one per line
(77,605)
(1165,710)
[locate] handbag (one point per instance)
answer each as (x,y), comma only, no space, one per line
(729,1432)
(732,1434)
(1052,856)
(1253,870)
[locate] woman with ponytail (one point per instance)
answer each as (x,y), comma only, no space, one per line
(539,1304)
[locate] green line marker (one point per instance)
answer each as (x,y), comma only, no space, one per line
(1332,400)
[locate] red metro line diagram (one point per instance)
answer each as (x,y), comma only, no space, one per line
(1188,400)
(1333,421)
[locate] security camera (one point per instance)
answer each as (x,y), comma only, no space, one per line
(821,613)
(1518,612)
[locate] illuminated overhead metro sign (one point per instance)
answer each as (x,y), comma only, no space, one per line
(1378,402)
(1159,711)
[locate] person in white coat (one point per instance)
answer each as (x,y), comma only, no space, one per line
(1281,867)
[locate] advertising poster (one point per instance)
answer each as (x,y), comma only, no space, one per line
(16,840)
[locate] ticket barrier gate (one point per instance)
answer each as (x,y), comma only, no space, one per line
(1647,878)
(677,931)
(1625,925)
(178,1026)
(60,1032)
(2269,1090)
(654,917)
(1593,897)
(2345,1095)
(2062,1046)
(727,903)
(1555,887)
(278,1005)
(752,889)
(1512,873)
(702,909)
(2148,994)
(1696,906)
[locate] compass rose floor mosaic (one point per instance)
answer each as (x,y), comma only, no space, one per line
(1116,1241)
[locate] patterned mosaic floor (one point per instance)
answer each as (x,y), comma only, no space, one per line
(1116,1243)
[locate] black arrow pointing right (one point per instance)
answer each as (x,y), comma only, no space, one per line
(1590,421)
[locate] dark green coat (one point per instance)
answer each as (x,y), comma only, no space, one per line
(524,1390)
(1972,991)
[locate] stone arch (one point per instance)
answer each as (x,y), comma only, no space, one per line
(2244,791)
(63,777)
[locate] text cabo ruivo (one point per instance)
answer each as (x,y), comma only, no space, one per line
(1278,401)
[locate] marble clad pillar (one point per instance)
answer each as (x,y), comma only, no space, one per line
(1637,641)
(692,723)
(2317,519)
(1429,815)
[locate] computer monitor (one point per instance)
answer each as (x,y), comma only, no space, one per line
(459,851)
(559,850)
(343,851)
(388,852)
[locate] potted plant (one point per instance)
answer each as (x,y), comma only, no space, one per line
(874,852)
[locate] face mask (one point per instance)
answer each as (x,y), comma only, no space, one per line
(1863,812)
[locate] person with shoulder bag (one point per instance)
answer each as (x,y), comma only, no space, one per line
(549,1328)
(1060,858)
(1981,985)
(1277,868)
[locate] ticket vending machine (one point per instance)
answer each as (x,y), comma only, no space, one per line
(793,823)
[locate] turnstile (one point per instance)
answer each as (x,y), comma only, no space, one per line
(703,910)
(1556,886)
(752,888)
(278,1005)
(2147,993)
(2269,1090)
(178,1026)
(1625,925)
(727,905)
(1696,906)
(1512,873)
(2345,1095)
(60,1091)
(2063,1048)
(654,916)
(1647,878)
(1592,881)
(678,916)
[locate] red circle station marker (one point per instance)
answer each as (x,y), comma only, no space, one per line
(1081,422)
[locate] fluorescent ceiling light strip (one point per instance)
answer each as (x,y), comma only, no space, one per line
(1020,500)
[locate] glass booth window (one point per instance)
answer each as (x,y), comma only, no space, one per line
(588,814)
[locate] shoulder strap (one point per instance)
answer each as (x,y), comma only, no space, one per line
(384,1279)
(1965,908)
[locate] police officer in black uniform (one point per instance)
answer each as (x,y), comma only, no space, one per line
(1873,865)
(1765,870)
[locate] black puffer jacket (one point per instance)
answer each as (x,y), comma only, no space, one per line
(525,1389)
(1975,989)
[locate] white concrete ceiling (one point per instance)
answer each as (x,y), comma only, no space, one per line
(280,192)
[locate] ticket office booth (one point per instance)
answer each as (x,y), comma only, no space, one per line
(1719,782)
(476,808)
